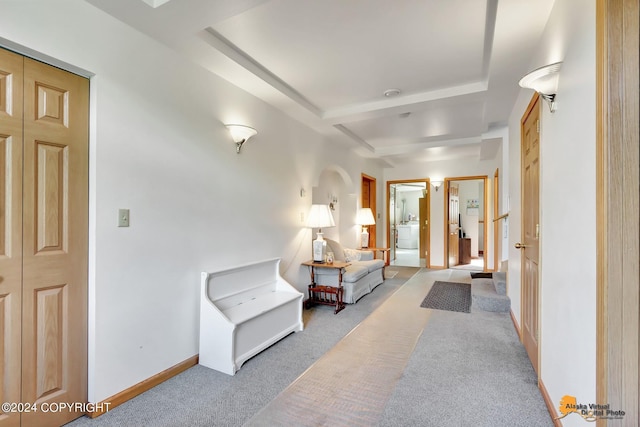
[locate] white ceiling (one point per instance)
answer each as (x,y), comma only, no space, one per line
(327,63)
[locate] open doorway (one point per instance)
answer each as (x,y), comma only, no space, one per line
(465,223)
(408,214)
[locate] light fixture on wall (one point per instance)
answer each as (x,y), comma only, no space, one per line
(240,134)
(333,201)
(319,217)
(544,80)
(365,218)
(436,184)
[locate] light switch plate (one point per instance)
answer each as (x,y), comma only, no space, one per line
(123,217)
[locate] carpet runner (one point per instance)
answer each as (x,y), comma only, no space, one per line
(350,384)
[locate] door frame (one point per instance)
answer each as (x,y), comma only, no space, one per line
(617,252)
(496,207)
(447,181)
(387,208)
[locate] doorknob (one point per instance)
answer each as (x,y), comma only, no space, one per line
(520,246)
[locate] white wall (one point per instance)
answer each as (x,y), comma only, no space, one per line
(159,148)
(567,207)
(332,184)
(470,166)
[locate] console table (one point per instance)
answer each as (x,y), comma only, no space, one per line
(327,295)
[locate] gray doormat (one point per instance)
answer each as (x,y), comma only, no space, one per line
(450,296)
(481,275)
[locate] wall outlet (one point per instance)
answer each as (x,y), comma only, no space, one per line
(123,217)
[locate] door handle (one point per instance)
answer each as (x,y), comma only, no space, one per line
(520,246)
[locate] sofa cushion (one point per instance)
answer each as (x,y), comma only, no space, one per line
(373,265)
(354,272)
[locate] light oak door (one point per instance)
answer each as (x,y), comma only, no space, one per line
(454,224)
(11,95)
(54,235)
(530,229)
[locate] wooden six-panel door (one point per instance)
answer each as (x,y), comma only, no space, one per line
(530,229)
(48,327)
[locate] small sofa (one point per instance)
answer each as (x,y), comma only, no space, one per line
(359,278)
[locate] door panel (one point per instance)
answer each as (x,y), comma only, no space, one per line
(55,240)
(51,191)
(11,95)
(530,230)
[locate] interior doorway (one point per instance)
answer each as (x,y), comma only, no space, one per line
(465,228)
(408,222)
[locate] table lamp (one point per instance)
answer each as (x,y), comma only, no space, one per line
(319,216)
(365,218)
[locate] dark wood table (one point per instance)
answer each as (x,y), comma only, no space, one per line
(323,294)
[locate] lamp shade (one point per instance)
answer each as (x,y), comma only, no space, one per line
(241,132)
(320,217)
(365,217)
(543,80)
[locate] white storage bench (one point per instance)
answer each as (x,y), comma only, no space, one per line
(244,310)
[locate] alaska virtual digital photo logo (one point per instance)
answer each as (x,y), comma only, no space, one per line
(590,412)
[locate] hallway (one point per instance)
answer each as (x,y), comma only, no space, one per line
(408,258)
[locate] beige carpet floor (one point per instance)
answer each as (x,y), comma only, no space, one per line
(350,384)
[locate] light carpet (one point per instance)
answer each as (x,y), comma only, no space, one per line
(390,274)
(350,384)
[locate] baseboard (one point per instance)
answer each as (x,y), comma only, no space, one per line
(437,267)
(550,406)
(141,387)
(515,325)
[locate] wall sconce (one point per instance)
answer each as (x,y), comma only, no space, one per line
(436,184)
(240,134)
(544,80)
(333,201)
